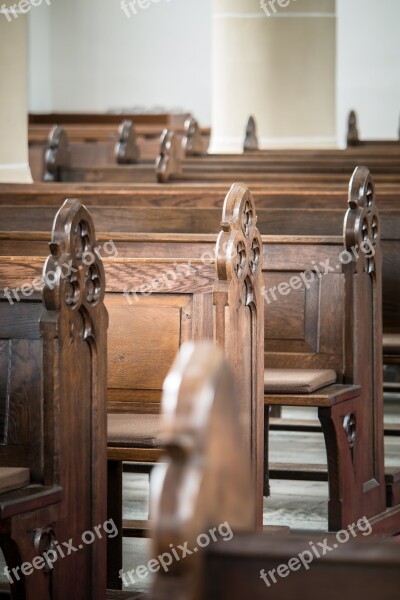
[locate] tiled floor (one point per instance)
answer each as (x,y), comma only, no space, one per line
(300,505)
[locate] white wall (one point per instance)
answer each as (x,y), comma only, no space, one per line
(96,58)
(88,55)
(368,66)
(13,97)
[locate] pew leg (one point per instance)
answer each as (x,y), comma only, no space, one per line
(346,455)
(114,509)
(275,411)
(266,486)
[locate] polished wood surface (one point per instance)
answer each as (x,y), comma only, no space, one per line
(54,417)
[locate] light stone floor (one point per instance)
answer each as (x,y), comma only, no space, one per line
(300,505)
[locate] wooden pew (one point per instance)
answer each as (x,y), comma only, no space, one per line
(53,419)
(180,308)
(103,128)
(278,195)
(224,557)
(265,166)
(171,167)
(92,162)
(299,349)
(355,147)
(307,221)
(119,147)
(59,154)
(353,138)
(381,158)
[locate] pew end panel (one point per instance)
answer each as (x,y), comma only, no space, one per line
(168,162)
(192,141)
(54,412)
(126,149)
(239,318)
(74,328)
(204,483)
(57,154)
(334,323)
(250,143)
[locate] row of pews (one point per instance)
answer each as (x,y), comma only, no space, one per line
(283,272)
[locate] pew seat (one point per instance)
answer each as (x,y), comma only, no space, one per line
(297,381)
(32,497)
(391,348)
(135,436)
(13,478)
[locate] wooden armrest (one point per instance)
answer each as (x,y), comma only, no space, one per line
(328,396)
(27,499)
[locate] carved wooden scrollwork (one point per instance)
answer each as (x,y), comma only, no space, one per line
(352,130)
(350,428)
(126,149)
(239,308)
(57,154)
(238,252)
(168,162)
(44,539)
(250,140)
(362,222)
(73,274)
(192,143)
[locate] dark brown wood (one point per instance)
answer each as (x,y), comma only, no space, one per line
(250,141)
(353,138)
(192,142)
(205,438)
(127,150)
(357,570)
(53,418)
(242,564)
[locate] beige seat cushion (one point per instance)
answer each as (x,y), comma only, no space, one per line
(135,430)
(297,381)
(391,343)
(13,478)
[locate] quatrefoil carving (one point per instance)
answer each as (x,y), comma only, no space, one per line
(362,223)
(73,274)
(239,246)
(126,149)
(192,142)
(168,162)
(350,428)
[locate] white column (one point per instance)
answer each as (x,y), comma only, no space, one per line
(14,165)
(276,62)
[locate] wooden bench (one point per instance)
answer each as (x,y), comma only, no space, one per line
(171,167)
(355,147)
(94,131)
(302,305)
(224,557)
(263,167)
(146,330)
(302,221)
(53,419)
(59,153)
(353,139)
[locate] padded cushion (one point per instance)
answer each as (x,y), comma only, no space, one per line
(13,478)
(134,430)
(297,381)
(391,343)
